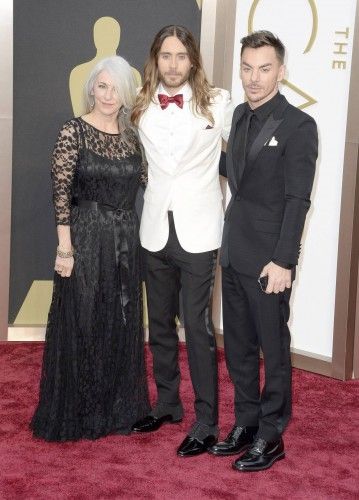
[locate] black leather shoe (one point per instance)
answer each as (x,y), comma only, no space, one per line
(239,439)
(191,446)
(151,423)
(261,455)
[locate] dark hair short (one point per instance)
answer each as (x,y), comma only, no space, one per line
(260,39)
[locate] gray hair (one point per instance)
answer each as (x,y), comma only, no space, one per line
(124,83)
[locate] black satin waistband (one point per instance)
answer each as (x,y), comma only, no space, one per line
(95,205)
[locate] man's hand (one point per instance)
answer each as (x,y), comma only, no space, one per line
(279,278)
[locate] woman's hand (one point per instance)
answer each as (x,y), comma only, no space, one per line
(64,266)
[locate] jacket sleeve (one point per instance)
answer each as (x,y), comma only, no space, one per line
(223,158)
(228,109)
(300,157)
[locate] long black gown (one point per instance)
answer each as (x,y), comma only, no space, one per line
(93,378)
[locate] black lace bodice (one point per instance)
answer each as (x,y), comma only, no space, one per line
(77,172)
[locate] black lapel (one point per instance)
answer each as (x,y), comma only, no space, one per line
(231,174)
(270,126)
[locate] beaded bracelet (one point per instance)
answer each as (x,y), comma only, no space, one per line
(65,255)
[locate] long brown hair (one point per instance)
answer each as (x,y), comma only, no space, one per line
(203,91)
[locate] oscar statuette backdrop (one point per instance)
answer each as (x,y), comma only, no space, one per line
(55,46)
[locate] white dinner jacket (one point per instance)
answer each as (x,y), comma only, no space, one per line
(183,151)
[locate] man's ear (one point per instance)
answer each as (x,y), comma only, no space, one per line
(281,73)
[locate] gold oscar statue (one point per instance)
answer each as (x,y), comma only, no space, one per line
(106,34)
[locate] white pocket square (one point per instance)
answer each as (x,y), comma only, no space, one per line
(273,142)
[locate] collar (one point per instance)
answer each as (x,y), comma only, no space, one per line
(263,111)
(186,90)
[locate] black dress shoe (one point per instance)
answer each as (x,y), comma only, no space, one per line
(151,423)
(239,439)
(192,446)
(261,455)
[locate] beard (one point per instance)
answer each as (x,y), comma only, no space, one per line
(174,80)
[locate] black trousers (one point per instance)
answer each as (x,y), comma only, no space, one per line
(168,271)
(254,320)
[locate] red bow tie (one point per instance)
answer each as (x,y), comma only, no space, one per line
(165,100)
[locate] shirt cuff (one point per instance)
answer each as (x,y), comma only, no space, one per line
(286,265)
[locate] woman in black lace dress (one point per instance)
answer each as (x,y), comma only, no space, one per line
(93,377)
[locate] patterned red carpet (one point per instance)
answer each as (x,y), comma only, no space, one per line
(322,445)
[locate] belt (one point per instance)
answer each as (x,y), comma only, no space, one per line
(120,246)
(101,207)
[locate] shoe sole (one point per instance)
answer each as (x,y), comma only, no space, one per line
(256,469)
(143,431)
(191,454)
(228,454)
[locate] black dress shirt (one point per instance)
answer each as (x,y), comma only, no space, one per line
(259,117)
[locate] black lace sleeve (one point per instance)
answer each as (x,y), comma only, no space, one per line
(64,159)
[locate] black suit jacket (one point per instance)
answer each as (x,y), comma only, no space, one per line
(271,192)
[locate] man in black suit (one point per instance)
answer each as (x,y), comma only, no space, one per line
(270,165)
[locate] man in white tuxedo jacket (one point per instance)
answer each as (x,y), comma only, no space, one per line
(181,121)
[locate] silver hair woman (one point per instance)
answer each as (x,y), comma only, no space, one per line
(93,378)
(124,82)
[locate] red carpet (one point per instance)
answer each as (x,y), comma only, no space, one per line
(321,447)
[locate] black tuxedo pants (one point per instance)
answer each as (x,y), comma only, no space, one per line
(168,271)
(254,320)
